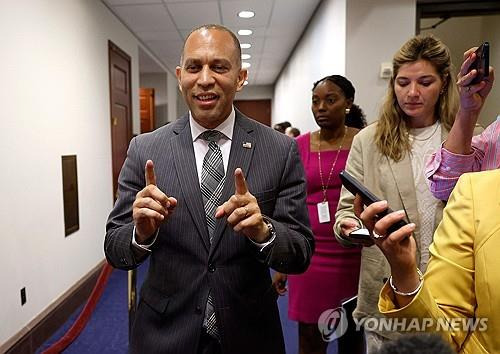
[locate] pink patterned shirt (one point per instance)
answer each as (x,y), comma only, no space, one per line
(444,167)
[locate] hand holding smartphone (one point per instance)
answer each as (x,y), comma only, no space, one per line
(481,64)
(356,187)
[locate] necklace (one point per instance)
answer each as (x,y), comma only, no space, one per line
(323,185)
(414,137)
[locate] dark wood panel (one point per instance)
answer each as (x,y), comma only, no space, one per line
(259,110)
(147,102)
(121,108)
(120,79)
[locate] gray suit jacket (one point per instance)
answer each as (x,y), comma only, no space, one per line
(184,266)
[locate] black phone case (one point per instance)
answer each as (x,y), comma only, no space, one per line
(356,187)
(482,63)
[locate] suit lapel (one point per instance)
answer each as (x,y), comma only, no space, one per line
(185,166)
(242,147)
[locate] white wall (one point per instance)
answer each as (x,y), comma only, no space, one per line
(173,94)
(157,81)
(491,33)
(462,33)
(349,38)
(54,101)
(320,52)
(375,31)
(256,92)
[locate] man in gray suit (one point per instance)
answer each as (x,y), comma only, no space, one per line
(211,232)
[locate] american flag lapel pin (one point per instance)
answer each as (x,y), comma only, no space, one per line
(247,145)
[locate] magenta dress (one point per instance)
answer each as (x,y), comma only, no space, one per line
(333,273)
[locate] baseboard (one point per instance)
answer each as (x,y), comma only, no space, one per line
(35,333)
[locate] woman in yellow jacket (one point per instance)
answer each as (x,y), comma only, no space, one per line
(459,294)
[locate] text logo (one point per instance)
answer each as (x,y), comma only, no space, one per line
(332,324)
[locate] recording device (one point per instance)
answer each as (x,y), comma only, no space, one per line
(356,187)
(481,64)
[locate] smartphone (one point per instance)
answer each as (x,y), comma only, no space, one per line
(360,234)
(482,63)
(356,187)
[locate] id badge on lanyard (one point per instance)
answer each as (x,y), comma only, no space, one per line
(323,212)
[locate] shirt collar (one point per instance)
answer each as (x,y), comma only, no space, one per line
(226,127)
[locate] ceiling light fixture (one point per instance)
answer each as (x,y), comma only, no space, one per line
(245,45)
(245,56)
(246,14)
(245,65)
(245,32)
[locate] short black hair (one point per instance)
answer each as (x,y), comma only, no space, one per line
(236,41)
(281,127)
(295,131)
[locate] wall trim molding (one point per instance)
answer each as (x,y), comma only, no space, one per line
(44,325)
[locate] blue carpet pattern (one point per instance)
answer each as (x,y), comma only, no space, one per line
(107,329)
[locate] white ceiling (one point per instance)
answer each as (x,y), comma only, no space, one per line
(163,25)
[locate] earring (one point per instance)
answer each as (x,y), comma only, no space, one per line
(347,110)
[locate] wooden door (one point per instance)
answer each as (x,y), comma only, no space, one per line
(121,108)
(147,99)
(260,110)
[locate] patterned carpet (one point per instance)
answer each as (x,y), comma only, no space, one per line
(107,329)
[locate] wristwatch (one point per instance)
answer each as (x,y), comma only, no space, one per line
(272,232)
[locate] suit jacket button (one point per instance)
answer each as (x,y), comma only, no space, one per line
(211,268)
(198,309)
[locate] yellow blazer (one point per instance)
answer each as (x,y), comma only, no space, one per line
(463,276)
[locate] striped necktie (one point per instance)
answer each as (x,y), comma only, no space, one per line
(212,182)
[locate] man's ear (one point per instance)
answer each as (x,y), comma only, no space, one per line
(242,76)
(178,71)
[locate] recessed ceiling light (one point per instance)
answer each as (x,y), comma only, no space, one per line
(245,32)
(246,14)
(245,65)
(245,45)
(245,83)
(245,56)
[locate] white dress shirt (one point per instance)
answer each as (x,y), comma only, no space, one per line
(201,146)
(200,150)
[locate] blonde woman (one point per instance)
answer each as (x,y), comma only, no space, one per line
(389,158)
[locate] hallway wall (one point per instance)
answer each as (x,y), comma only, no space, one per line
(462,33)
(320,52)
(157,81)
(350,38)
(375,31)
(54,101)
